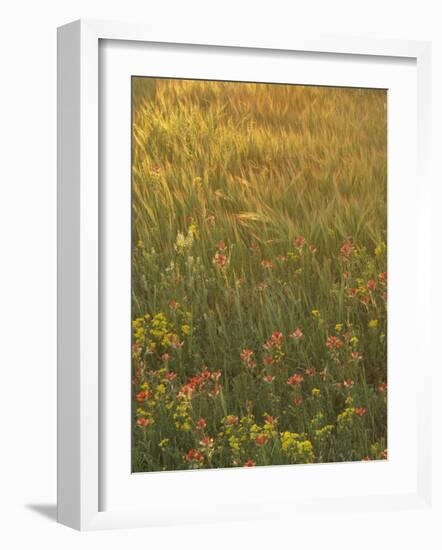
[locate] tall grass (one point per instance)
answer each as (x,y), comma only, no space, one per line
(257,210)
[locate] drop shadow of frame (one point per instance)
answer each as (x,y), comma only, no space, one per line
(49,511)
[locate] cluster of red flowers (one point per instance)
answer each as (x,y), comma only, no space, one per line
(206,442)
(247,358)
(143,395)
(220,259)
(299,241)
(273,345)
(333,342)
(297,334)
(261,440)
(347,249)
(201,424)
(144,422)
(193,455)
(275,340)
(371,284)
(204,380)
(295,380)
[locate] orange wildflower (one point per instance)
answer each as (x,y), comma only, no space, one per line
(143,396)
(297,334)
(193,455)
(295,380)
(299,241)
(347,248)
(201,424)
(144,422)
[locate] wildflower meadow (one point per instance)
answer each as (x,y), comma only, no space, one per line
(259,274)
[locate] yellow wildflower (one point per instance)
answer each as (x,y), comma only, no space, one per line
(380,249)
(324,433)
(185,329)
(345,419)
(160,389)
(299,451)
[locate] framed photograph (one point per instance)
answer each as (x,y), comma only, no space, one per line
(231,215)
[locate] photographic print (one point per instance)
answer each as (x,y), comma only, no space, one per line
(259,274)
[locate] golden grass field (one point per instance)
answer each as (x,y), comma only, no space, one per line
(259,220)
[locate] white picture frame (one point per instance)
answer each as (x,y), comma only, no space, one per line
(80,437)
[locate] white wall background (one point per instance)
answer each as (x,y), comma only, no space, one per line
(28,266)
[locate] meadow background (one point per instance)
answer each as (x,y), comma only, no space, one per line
(258,274)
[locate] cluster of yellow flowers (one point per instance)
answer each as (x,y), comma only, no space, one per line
(345,418)
(297,448)
(236,432)
(324,433)
(159,334)
(380,249)
(185,242)
(182,416)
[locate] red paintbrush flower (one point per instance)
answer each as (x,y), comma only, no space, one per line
(347,248)
(297,334)
(295,380)
(201,424)
(143,396)
(299,241)
(193,455)
(261,440)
